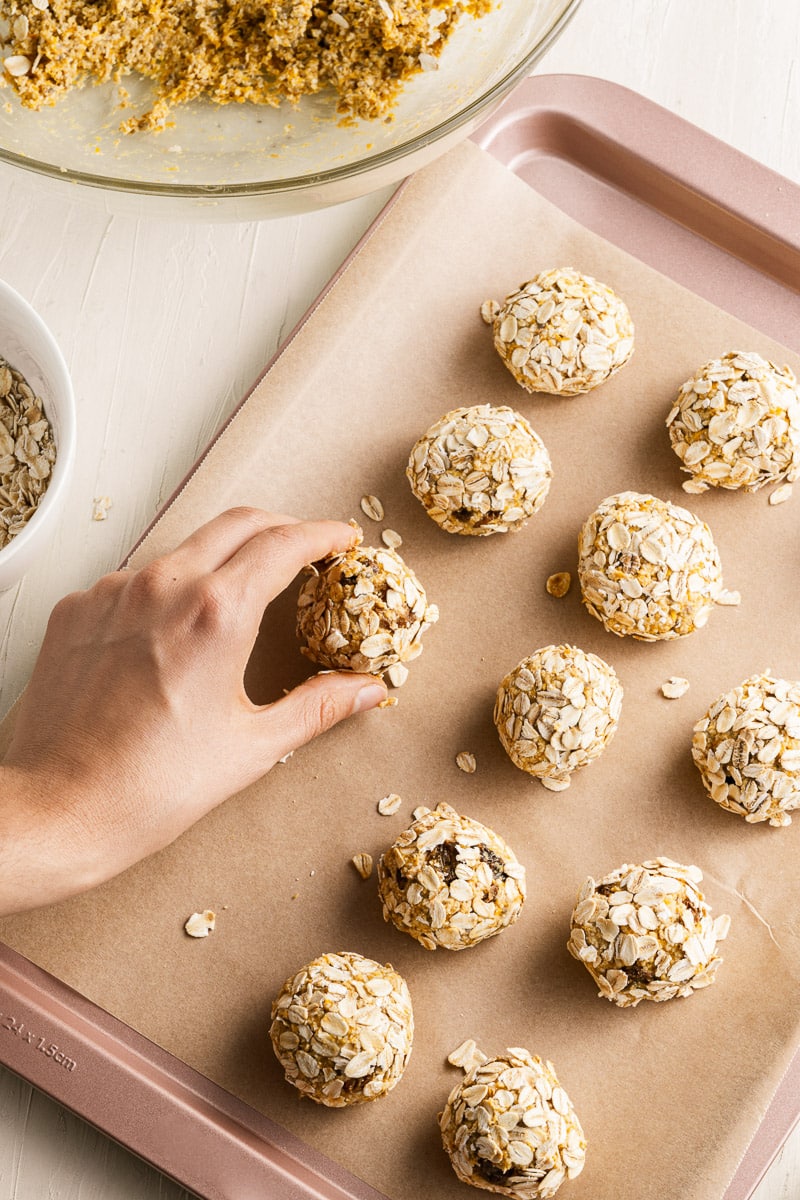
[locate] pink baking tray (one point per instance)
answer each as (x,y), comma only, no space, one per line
(687,205)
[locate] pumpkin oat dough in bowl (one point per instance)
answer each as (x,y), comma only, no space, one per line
(247,160)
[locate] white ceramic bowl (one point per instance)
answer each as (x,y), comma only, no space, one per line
(27,344)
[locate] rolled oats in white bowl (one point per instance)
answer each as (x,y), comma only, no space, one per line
(37,435)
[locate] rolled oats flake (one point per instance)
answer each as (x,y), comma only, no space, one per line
(200,925)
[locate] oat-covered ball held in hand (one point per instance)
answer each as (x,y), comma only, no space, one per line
(646,933)
(363,610)
(342,1029)
(480,470)
(736,424)
(557,711)
(647,567)
(509,1127)
(561,332)
(450,881)
(747,749)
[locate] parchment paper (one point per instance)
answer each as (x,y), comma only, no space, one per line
(669,1094)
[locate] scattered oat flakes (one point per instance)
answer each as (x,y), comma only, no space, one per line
(674,687)
(389,702)
(559,584)
(466,762)
(555,783)
(450,881)
(646,933)
(391,538)
(747,749)
(467,1055)
(736,424)
(200,925)
(420,811)
(648,568)
(510,1127)
(363,864)
(342,1029)
(100,507)
(480,470)
(389,804)
(563,333)
(372,508)
(557,711)
(729,598)
(781,494)
(397,674)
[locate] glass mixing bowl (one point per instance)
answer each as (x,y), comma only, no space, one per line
(246,161)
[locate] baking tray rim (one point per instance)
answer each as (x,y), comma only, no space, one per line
(246,1144)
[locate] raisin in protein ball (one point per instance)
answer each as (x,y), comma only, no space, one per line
(736,424)
(747,749)
(648,568)
(509,1127)
(364,610)
(480,470)
(449,881)
(342,1029)
(557,711)
(646,933)
(561,332)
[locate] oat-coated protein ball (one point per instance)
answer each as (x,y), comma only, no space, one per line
(480,470)
(364,610)
(450,881)
(648,568)
(562,332)
(747,749)
(736,424)
(509,1127)
(342,1029)
(557,711)
(646,933)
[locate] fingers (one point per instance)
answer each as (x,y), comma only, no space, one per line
(270,560)
(316,706)
(210,546)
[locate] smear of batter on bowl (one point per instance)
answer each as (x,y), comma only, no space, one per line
(227,50)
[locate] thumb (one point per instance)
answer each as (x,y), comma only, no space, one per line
(316,706)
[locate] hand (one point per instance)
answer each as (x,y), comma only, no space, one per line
(136,722)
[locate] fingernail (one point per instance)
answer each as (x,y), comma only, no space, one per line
(369,697)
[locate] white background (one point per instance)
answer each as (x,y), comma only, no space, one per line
(165,325)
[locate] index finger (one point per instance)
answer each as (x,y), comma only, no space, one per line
(211,545)
(269,561)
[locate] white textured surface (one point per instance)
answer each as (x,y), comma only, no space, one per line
(164,326)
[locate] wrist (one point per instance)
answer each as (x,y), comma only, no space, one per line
(44,854)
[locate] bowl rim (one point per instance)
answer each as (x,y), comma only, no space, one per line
(317,179)
(67,431)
